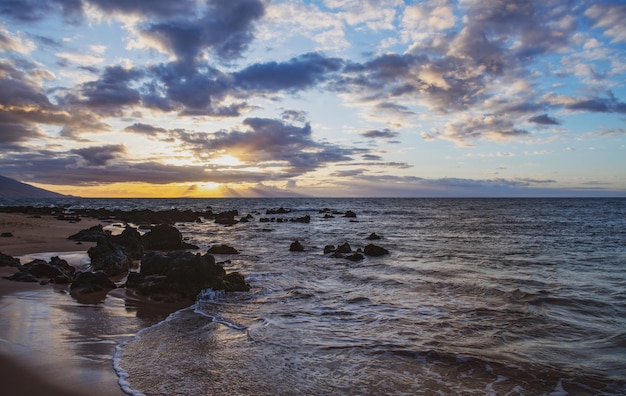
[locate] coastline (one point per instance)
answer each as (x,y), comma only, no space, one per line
(50,343)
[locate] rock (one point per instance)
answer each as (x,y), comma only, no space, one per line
(182,274)
(355,257)
(109,257)
(296,247)
(9,261)
(22,277)
(57,270)
(373,237)
(93,234)
(375,251)
(227,217)
(91,282)
(130,239)
(165,237)
(6,235)
(280,210)
(329,249)
(303,219)
(345,248)
(222,249)
(350,214)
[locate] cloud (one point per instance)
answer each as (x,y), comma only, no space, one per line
(35,10)
(544,119)
(14,42)
(378,134)
(609,17)
(224,27)
(274,142)
(100,155)
(298,73)
(598,105)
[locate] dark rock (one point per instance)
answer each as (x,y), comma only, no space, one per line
(350,214)
(93,234)
(8,261)
(109,257)
(303,219)
(277,211)
(345,248)
(130,239)
(329,249)
(296,247)
(91,282)
(375,251)
(328,216)
(373,237)
(22,277)
(56,269)
(6,235)
(222,249)
(182,274)
(234,281)
(165,237)
(227,217)
(355,257)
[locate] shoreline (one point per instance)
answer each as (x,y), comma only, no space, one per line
(50,343)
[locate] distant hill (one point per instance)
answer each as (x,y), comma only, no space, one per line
(10,188)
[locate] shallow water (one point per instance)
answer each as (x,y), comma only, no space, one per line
(477,296)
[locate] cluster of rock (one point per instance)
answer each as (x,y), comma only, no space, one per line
(182,274)
(177,274)
(55,271)
(345,250)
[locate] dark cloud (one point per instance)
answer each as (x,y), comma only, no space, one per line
(112,90)
(101,155)
(160,9)
(377,134)
(34,10)
(544,119)
(298,73)
(225,28)
(599,105)
(145,129)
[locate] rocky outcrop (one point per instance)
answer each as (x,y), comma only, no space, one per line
(227,217)
(55,271)
(222,249)
(93,234)
(109,257)
(9,261)
(130,240)
(165,237)
(373,237)
(182,275)
(91,282)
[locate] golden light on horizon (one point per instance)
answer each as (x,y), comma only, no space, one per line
(140,190)
(226,160)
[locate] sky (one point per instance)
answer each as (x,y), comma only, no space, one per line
(328,98)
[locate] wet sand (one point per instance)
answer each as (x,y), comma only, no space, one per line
(51,343)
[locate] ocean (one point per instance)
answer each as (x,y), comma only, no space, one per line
(476,297)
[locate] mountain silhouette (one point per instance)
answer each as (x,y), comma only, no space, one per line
(10,188)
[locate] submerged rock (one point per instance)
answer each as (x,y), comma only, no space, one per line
(374,251)
(222,249)
(296,247)
(373,237)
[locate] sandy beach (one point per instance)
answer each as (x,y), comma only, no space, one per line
(49,342)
